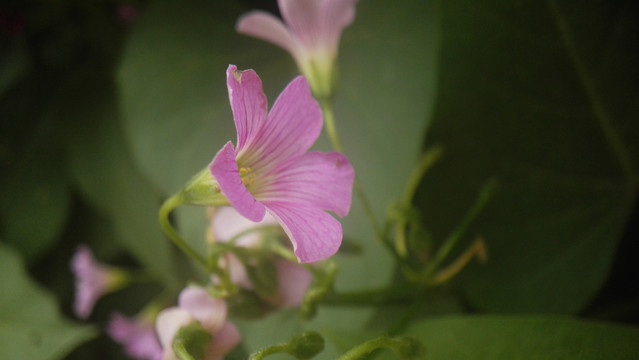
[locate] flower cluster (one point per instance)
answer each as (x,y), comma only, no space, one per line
(276,188)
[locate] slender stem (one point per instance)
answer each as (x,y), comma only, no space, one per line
(601,115)
(269,350)
(452,239)
(168,206)
(425,163)
(478,248)
(404,347)
(373,297)
(329,121)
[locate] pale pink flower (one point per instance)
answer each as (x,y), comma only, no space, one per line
(137,335)
(93,280)
(310,32)
(195,304)
(271,170)
(293,279)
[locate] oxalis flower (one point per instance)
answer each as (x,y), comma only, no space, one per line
(311,34)
(292,279)
(196,306)
(137,335)
(271,170)
(93,280)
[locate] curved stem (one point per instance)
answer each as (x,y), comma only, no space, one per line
(452,239)
(163,216)
(404,347)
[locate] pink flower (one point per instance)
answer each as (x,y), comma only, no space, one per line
(271,170)
(136,335)
(293,280)
(195,304)
(93,280)
(311,34)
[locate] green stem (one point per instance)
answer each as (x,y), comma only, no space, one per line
(601,115)
(163,216)
(452,239)
(269,350)
(374,297)
(425,163)
(404,347)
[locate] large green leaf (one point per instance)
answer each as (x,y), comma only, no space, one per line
(34,190)
(30,326)
(543,97)
(525,337)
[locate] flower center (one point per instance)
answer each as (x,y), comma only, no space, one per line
(248,176)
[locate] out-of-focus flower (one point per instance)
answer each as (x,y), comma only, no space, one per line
(137,335)
(196,305)
(293,279)
(270,169)
(311,32)
(93,280)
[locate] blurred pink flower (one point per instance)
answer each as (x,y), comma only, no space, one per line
(310,32)
(195,304)
(137,335)
(93,280)
(293,279)
(270,169)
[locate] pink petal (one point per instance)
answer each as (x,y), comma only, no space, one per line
(227,223)
(248,103)
(291,128)
(136,335)
(224,169)
(223,342)
(321,180)
(265,26)
(293,281)
(91,281)
(336,15)
(303,18)
(315,234)
(167,323)
(210,312)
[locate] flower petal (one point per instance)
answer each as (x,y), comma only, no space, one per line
(322,180)
(293,280)
(210,312)
(225,340)
(315,234)
(136,335)
(265,26)
(167,323)
(336,15)
(248,103)
(291,128)
(227,223)
(303,17)
(224,169)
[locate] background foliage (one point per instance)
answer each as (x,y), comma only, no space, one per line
(107,108)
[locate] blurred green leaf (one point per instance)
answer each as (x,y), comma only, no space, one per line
(34,191)
(542,96)
(103,169)
(30,326)
(525,337)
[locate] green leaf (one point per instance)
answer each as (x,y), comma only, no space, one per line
(34,191)
(102,168)
(525,337)
(30,325)
(539,96)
